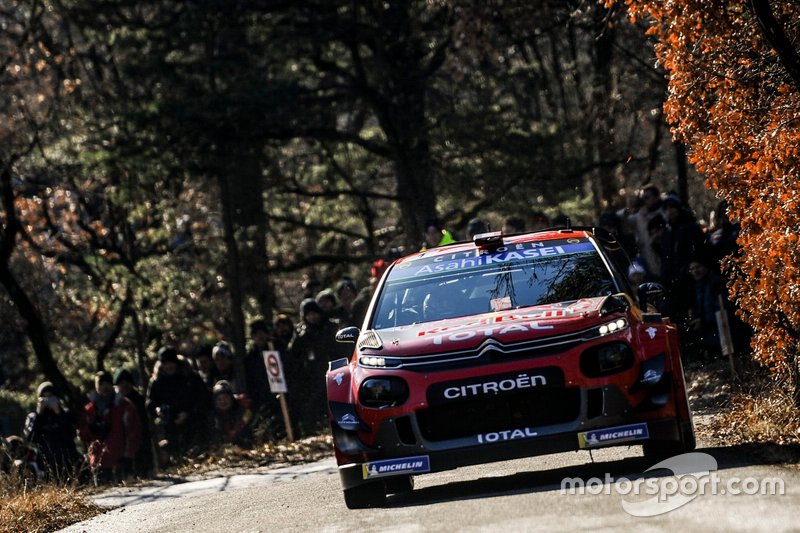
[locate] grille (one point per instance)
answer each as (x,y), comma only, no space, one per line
(528,409)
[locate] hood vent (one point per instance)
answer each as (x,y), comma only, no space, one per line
(370,339)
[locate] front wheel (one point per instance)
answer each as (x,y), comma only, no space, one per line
(659,450)
(399,485)
(365,496)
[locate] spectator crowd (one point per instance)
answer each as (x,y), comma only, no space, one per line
(195,400)
(198,399)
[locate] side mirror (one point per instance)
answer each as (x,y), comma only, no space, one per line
(348,335)
(648,291)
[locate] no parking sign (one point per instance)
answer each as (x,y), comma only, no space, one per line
(277,381)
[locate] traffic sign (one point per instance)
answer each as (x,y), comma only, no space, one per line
(277,381)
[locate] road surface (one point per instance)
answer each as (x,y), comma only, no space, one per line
(520,495)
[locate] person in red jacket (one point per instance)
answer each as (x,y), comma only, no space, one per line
(111,429)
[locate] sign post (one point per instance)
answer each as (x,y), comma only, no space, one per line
(724,329)
(277,385)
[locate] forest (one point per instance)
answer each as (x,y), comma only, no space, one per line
(171,170)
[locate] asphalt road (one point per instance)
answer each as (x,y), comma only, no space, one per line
(520,495)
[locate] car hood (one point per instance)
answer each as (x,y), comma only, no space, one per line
(506,327)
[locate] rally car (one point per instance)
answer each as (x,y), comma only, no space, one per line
(505,347)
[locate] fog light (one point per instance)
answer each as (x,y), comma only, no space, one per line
(383,392)
(612,357)
(606,359)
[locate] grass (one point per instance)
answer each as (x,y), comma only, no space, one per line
(27,506)
(764,413)
(270,454)
(41,508)
(751,408)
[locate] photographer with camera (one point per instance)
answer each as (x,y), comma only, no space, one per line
(177,402)
(51,431)
(111,429)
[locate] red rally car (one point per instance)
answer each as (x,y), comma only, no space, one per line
(505,347)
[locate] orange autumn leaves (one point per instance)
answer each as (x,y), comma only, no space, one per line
(732,101)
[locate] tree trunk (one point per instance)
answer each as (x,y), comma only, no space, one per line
(775,33)
(246,187)
(35,328)
(108,345)
(682,166)
(233,275)
(37,333)
(408,135)
(602,131)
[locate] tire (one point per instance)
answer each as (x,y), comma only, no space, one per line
(399,485)
(660,450)
(365,496)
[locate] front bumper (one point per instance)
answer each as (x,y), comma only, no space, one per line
(354,474)
(443,441)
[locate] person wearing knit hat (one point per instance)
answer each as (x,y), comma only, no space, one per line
(284,329)
(44,388)
(308,306)
(126,385)
(52,431)
(232,416)
(263,402)
(168,354)
(347,292)
(111,429)
(223,362)
(306,363)
(171,403)
(328,302)
(260,326)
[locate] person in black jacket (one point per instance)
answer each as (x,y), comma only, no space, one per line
(176,405)
(263,403)
(312,348)
(52,430)
(682,238)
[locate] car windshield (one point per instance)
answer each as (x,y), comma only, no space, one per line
(471,283)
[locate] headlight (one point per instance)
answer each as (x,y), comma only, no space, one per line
(383,392)
(372,361)
(611,327)
(606,359)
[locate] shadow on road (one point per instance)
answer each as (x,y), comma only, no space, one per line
(550,480)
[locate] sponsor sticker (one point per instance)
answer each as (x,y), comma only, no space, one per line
(502,436)
(602,437)
(512,382)
(403,465)
(501,304)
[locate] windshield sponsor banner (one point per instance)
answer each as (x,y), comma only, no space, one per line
(484,257)
(602,437)
(404,465)
(511,382)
